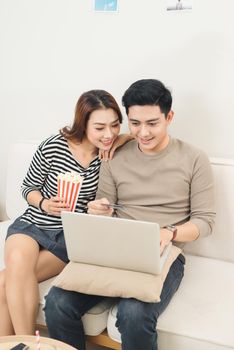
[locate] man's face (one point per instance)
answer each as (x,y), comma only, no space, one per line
(149,127)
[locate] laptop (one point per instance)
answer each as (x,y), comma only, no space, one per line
(114,242)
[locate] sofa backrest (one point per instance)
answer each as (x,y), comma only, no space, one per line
(219,245)
(20,156)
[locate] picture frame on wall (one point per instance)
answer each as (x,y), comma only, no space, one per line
(105,5)
(179,5)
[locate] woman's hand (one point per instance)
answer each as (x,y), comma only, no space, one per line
(99,207)
(54,206)
(119,141)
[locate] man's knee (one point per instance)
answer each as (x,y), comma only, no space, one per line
(134,314)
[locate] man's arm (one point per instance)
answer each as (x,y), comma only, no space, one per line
(202,206)
(202,197)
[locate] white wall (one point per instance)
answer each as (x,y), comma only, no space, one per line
(53,50)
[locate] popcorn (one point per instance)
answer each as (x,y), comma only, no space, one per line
(69,185)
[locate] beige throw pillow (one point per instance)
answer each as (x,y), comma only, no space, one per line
(111,282)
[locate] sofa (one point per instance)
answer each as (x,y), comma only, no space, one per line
(201,314)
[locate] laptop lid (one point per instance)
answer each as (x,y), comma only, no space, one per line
(113,242)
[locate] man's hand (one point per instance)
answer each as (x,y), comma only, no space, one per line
(55,205)
(165,239)
(99,207)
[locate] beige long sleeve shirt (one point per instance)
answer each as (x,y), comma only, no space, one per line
(171,187)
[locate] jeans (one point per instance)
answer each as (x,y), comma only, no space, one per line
(136,320)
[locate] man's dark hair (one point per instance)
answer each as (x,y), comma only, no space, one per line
(148,92)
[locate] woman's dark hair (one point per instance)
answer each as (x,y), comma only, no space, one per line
(148,92)
(88,102)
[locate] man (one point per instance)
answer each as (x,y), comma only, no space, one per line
(158,178)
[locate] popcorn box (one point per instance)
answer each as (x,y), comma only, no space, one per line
(69,185)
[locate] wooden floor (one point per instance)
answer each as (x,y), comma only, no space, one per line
(103,340)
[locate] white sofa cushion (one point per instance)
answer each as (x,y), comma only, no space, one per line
(201,310)
(19,158)
(95,320)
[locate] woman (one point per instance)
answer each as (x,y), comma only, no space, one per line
(35,248)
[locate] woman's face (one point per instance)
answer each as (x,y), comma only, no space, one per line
(102,128)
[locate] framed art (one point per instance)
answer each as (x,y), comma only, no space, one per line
(105,5)
(179,5)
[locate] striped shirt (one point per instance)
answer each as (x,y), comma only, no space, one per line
(51,158)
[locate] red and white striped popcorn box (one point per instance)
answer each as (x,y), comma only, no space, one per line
(69,185)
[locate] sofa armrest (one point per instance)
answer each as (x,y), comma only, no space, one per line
(3,231)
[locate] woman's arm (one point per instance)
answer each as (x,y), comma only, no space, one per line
(52,206)
(36,174)
(33,184)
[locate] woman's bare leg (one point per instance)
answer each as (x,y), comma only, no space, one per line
(21,255)
(48,265)
(6,327)
(25,265)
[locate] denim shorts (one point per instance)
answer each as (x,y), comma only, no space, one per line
(51,240)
